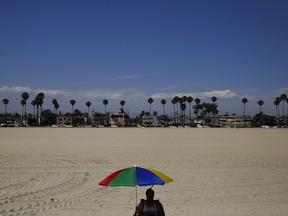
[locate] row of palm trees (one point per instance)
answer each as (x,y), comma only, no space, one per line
(180,103)
(177,102)
(282,98)
(38,102)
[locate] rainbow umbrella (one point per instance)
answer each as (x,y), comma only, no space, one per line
(133,176)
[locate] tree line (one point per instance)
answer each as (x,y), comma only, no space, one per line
(180,104)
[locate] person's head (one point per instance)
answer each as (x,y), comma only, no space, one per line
(150,194)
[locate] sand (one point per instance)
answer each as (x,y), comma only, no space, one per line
(55,171)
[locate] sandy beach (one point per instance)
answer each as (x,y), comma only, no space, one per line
(216,172)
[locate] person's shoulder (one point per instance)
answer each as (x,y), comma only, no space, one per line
(157,202)
(142,202)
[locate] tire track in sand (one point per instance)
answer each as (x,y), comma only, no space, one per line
(72,191)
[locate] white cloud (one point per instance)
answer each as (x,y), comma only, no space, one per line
(94,93)
(100,93)
(21,89)
(117,94)
(125,77)
(219,94)
(283,90)
(130,77)
(15,89)
(52,92)
(161,95)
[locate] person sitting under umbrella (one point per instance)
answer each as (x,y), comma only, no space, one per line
(150,207)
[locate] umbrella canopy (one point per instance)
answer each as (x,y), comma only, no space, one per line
(134,176)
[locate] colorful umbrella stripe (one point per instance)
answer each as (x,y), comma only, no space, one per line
(134,176)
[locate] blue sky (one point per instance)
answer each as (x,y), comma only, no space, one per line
(135,49)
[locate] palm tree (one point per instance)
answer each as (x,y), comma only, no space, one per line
(260,103)
(25,97)
(287,109)
(163,102)
(173,101)
(33,103)
(214,109)
(244,101)
(184,99)
(197,101)
(23,103)
(88,104)
(72,102)
(283,98)
(122,103)
(150,101)
(181,101)
(54,101)
(276,103)
(214,99)
(189,100)
(5,102)
(56,105)
(105,102)
(39,99)
(176,100)
(183,108)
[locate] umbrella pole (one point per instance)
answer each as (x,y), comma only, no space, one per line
(136,196)
(136,207)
